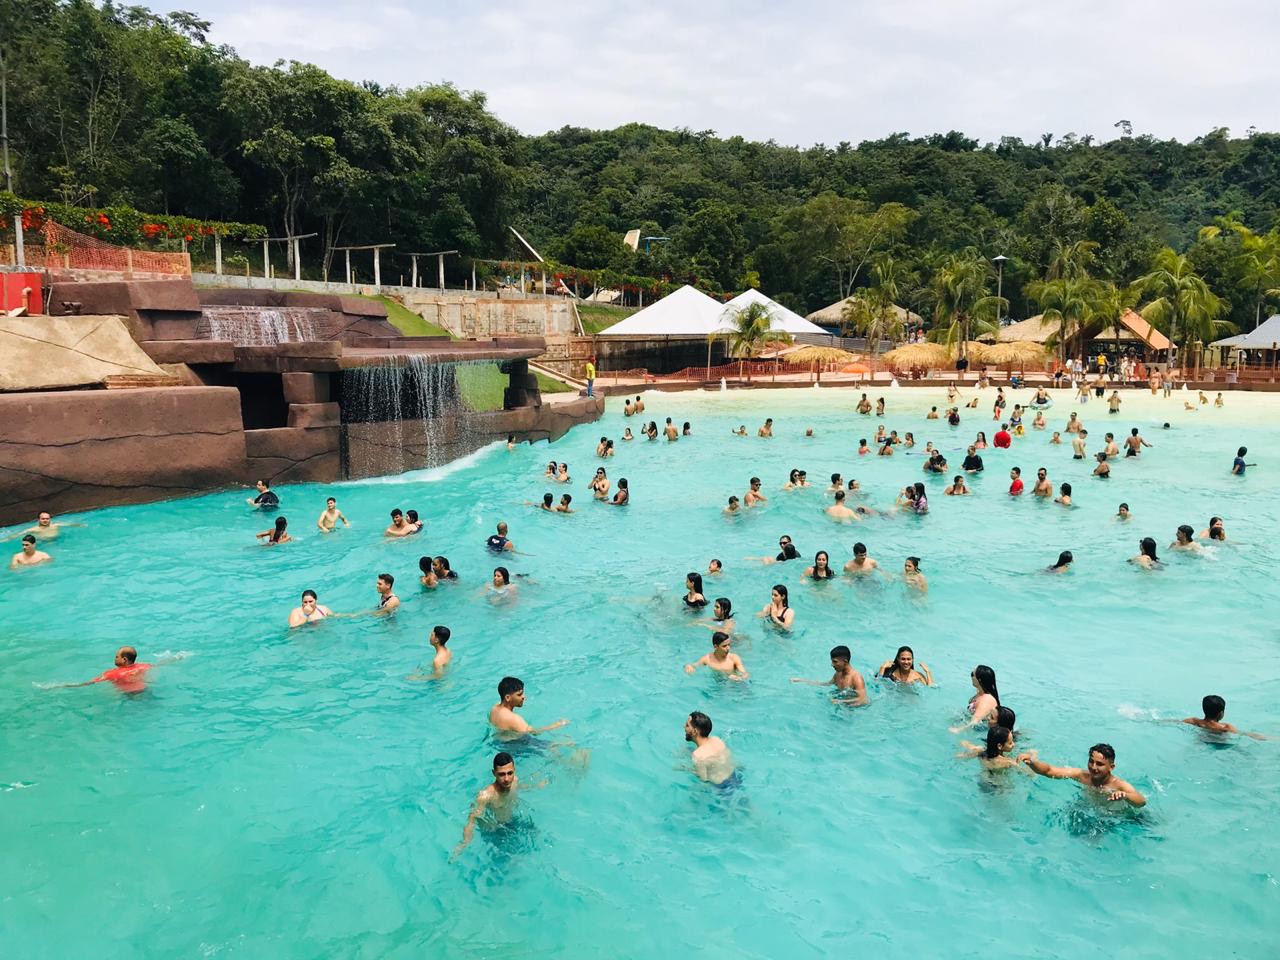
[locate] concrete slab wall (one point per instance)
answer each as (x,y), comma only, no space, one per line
(74,450)
(482,317)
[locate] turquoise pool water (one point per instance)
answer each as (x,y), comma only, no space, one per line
(289,794)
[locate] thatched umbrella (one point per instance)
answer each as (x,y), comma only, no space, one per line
(818,356)
(1019,352)
(917,356)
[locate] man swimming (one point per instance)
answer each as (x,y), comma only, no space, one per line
(1097,776)
(498,542)
(29,556)
(311,610)
(754,496)
(504,719)
(721,659)
(1134,443)
(329,518)
(399,528)
(45,528)
(1043,487)
(439,639)
(712,760)
(266,498)
(128,675)
(839,511)
(1215,708)
(495,804)
(387,600)
(861,564)
(767,429)
(844,677)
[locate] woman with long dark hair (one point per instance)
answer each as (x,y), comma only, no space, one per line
(777,610)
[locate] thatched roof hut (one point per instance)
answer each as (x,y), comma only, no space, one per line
(1031,330)
(832,315)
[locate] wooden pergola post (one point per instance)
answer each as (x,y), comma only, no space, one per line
(217,254)
(413,282)
(348,254)
(439,255)
(377,249)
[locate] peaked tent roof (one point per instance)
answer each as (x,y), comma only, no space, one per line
(783,319)
(686,312)
(1264,337)
(833,314)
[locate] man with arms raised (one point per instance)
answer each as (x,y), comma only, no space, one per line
(1099,776)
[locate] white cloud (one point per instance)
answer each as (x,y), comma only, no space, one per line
(822,71)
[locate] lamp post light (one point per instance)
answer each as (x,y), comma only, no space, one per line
(999,261)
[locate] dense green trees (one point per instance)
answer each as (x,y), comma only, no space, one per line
(116,105)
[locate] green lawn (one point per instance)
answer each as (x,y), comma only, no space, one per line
(482,385)
(408,322)
(598,316)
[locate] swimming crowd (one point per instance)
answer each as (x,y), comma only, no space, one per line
(712,760)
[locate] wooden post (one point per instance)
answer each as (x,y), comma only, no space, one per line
(440,264)
(348,253)
(377,267)
(297,259)
(19,248)
(523,291)
(266,260)
(544,282)
(473,276)
(414,260)
(217,254)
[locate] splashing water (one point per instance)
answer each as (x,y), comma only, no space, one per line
(406,413)
(257,326)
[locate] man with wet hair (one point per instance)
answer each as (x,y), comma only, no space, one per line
(387,600)
(266,498)
(496,803)
(29,556)
(1215,708)
(721,659)
(754,496)
(712,760)
(861,564)
(328,520)
(844,677)
(399,528)
(503,717)
(1098,776)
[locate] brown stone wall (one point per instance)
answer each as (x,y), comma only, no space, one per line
(294,454)
(73,450)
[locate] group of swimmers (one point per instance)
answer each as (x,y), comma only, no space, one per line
(711,757)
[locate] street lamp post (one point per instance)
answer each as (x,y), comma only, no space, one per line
(999,261)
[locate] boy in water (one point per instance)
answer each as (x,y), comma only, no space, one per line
(1098,776)
(721,659)
(844,677)
(328,520)
(439,639)
(496,803)
(1214,708)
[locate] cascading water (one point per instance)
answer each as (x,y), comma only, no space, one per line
(404,413)
(257,326)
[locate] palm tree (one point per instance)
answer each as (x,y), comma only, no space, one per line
(1179,302)
(1072,260)
(748,329)
(1257,260)
(1077,303)
(964,306)
(873,311)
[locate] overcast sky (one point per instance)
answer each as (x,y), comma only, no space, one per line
(816,72)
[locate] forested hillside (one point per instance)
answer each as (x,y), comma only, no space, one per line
(112,104)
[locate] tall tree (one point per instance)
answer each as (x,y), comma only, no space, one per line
(1178,301)
(965,306)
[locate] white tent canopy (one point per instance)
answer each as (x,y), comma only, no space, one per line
(783,319)
(1265,337)
(686,312)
